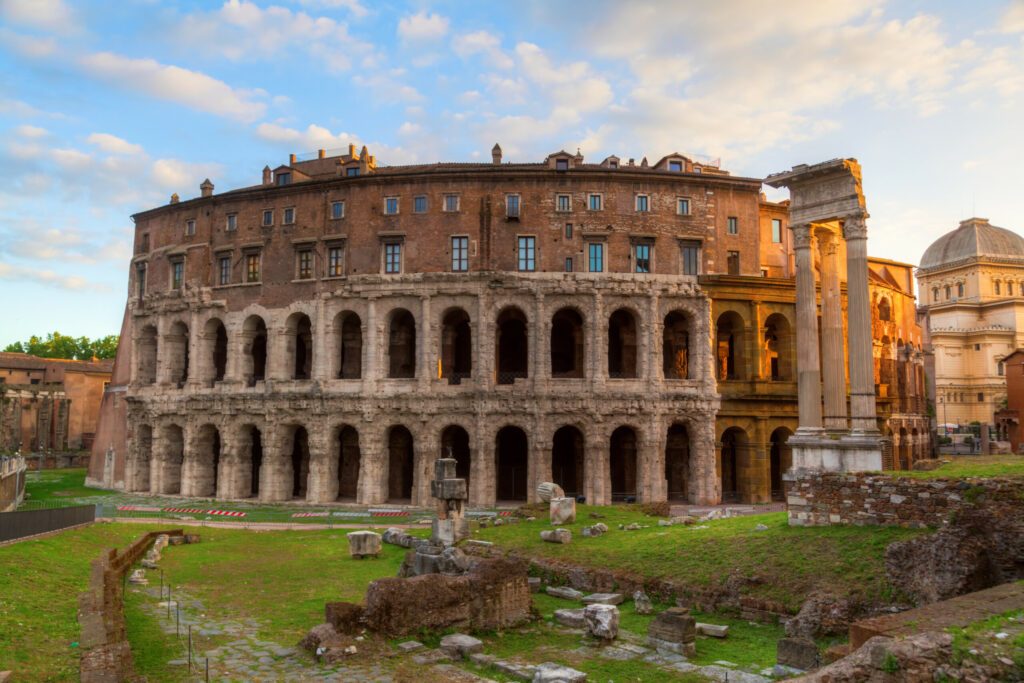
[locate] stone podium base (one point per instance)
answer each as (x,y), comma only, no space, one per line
(836,452)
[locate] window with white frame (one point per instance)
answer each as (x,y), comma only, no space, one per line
(335,260)
(451,203)
(512,205)
(337,210)
(289,216)
(390,206)
(460,254)
(232,222)
(595,201)
(643,203)
(733,225)
(392,257)
(419,204)
(190,227)
(527,253)
(595,257)
(683,206)
(563,203)
(268,217)
(776,231)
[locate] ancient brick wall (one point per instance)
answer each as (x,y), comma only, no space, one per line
(822,499)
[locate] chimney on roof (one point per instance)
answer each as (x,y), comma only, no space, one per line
(206,188)
(268,177)
(643,163)
(320,154)
(632,163)
(174,198)
(496,154)
(291,159)
(363,153)
(351,151)
(579,156)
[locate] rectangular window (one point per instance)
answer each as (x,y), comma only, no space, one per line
(190,227)
(563,203)
(981,397)
(232,223)
(451,203)
(676,166)
(419,204)
(284,178)
(268,217)
(643,258)
(734,226)
(140,279)
(177,274)
(527,254)
(561,164)
(305,264)
(144,243)
(352,172)
(393,257)
(390,206)
(642,203)
(733,263)
(776,231)
(289,216)
(460,254)
(691,258)
(252,267)
(335,261)
(594,202)
(512,206)
(337,210)
(568,231)
(568,264)
(595,254)
(683,206)
(224,270)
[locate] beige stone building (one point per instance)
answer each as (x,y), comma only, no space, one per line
(971,284)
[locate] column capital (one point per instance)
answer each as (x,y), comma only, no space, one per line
(803,236)
(855,227)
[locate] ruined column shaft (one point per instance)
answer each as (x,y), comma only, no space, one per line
(833,362)
(808,367)
(862,386)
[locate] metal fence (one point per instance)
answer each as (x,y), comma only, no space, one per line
(14,525)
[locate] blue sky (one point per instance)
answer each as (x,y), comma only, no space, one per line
(108,108)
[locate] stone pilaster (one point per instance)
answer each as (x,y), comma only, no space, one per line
(862,388)
(322,485)
(808,367)
(833,359)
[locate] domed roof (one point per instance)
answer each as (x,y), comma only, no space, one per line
(975,238)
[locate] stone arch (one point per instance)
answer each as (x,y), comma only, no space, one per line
(254,350)
(176,344)
(623,460)
(298,329)
(512,458)
(622,344)
(146,355)
(778,345)
(455,444)
(172,458)
(729,338)
(297,441)
(143,458)
(904,450)
(401,344)
(456,346)
(884,309)
(349,457)
(511,345)
(250,456)
(205,463)
(677,462)
(567,344)
(401,464)
(916,448)
(780,458)
(568,460)
(348,345)
(675,344)
(734,457)
(886,368)
(215,350)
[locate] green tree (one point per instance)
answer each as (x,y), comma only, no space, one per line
(57,345)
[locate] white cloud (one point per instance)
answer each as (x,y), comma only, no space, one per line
(1013,19)
(32,132)
(422,27)
(354,6)
(33,47)
(387,89)
(572,84)
(1000,70)
(113,144)
(48,15)
(410,128)
(15,273)
(317,137)
(485,44)
(192,89)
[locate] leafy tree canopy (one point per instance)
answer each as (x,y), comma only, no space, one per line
(57,345)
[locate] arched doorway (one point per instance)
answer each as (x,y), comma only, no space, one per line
(512,456)
(348,463)
(173,448)
(207,462)
(299,331)
(348,340)
(904,450)
(729,345)
(401,460)
(402,345)
(511,346)
(733,453)
(254,467)
(254,341)
(675,346)
(622,345)
(176,348)
(567,351)
(146,350)
(677,462)
(455,444)
(300,462)
(143,452)
(215,337)
(778,348)
(623,464)
(456,346)
(568,460)
(781,457)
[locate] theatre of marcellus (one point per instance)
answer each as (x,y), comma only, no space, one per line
(625,329)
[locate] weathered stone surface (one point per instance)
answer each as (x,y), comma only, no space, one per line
(712,630)
(547,490)
(798,653)
(556,535)
(138,577)
(573,618)
(642,603)
(914,659)
(603,599)
(363,544)
(549,672)
(602,621)
(596,530)
(675,630)
(399,537)
(562,510)
(449,489)
(535,584)
(320,636)
(461,645)
(410,646)
(449,531)
(822,614)
(564,592)
(345,617)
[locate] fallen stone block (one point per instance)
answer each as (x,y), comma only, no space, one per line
(192,538)
(177,540)
(549,672)
(523,672)
(642,603)
(546,490)
(138,578)
(562,510)
(320,638)
(798,653)
(460,645)
(432,657)
(573,618)
(564,592)
(481,659)
(556,535)
(712,630)
(410,646)
(602,621)
(535,584)
(363,544)
(345,617)
(674,630)
(603,599)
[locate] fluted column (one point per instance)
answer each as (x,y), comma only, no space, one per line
(426,348)
(833,364)
(808,368)
(862,388)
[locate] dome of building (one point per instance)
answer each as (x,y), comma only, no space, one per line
(975,238)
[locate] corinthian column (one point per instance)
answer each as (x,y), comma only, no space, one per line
(832,363)
(808,370)
(862,385)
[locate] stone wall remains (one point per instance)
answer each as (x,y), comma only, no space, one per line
(12,483)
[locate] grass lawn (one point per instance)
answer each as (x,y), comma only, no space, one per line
(971,466)
(787,563)
(58,486)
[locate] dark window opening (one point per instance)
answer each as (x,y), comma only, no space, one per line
(729,346)
(400,464)
(348,463)
(567,461)
(256,455)
(402,345)
(349,334)
(300,462)
(456,346)
(677,462)
(511,343)
(512,468)
(300,343)
(567,344)
(622,345)
(675,346)
(622,462)
(455,444)
(254,333)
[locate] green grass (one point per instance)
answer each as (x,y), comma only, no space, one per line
(52,486)
(151,647)
(971,466)
(784,563)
